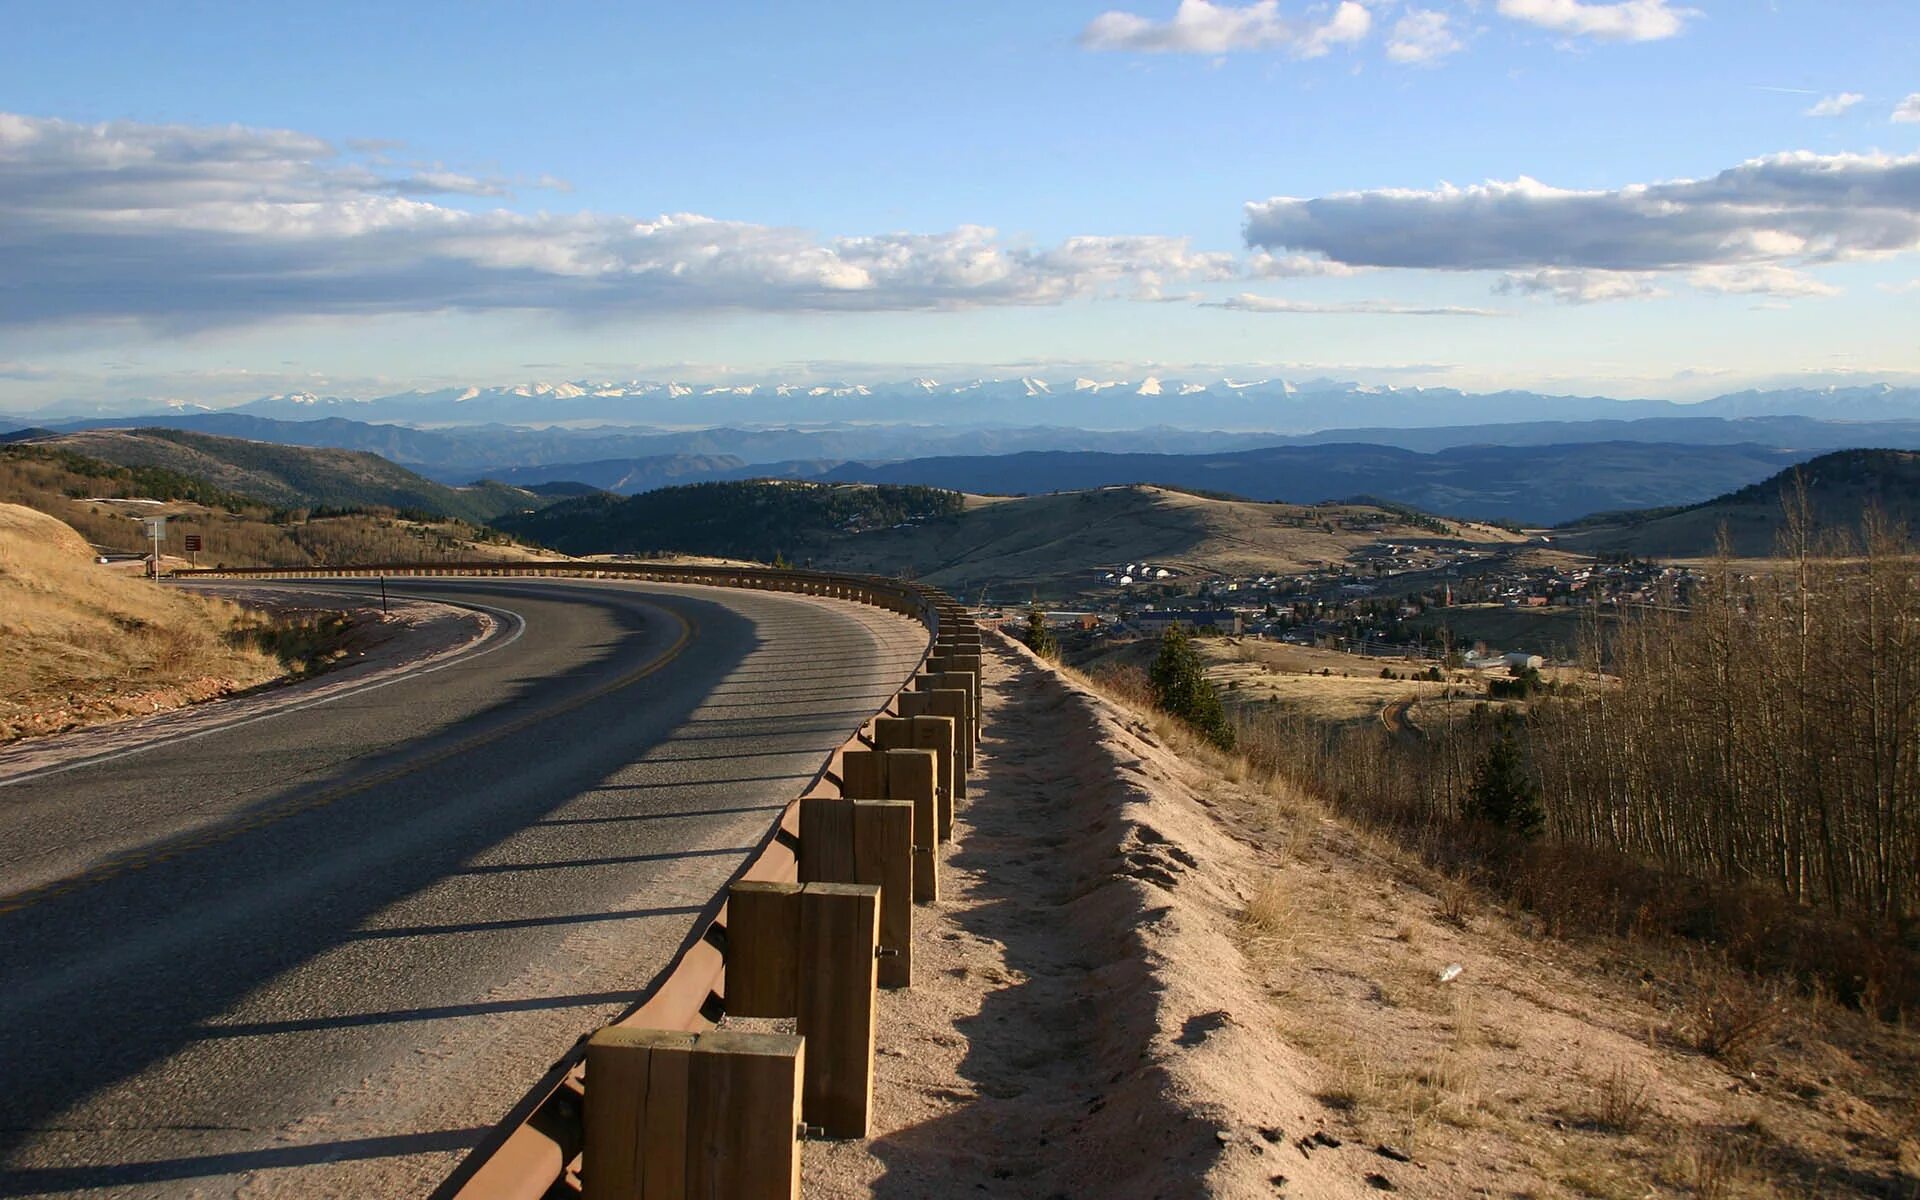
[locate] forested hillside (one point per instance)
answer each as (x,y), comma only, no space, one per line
(756,519)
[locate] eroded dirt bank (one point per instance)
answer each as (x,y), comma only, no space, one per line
(1081,1021)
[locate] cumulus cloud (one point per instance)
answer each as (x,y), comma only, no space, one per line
(1787,211)
(1908,112)
(1626,21)
(1297,266)
(1579,287)
(1249,302)
(1835,105)
(1421,36)
(1204,27)
(194,226)
(1758,279)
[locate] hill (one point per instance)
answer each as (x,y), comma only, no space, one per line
(103,502)
(757,520)
(1057,544)
(77,641)
(1531,484)
(293,476)
(1840,487)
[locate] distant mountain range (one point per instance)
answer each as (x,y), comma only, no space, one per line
(1529,484)
(1277,406)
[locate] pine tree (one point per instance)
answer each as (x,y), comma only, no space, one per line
(1180,687)
(1040,639)
(1503,793)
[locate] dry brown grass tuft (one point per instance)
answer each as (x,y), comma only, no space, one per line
(1728,1015)
(1621,1102)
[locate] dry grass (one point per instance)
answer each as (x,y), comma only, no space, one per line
(78,643)
(1567,1058)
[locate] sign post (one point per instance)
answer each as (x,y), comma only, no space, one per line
(156,533)
(192,543)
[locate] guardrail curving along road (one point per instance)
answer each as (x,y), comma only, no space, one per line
(324,952)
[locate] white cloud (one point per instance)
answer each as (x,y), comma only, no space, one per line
(1422,35)
(1908,111)
(1579,286)
(1249,302)
(1296,266)
(1835,105)
(1758,279)
(1626,21)
(1204,27)
(193,226)
(1787,211)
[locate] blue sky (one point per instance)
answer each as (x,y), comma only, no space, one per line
(217,201)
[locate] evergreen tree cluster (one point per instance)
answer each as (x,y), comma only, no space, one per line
(1180,687)
(1040,639)
(1504,794)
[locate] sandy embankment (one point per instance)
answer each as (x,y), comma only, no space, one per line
(1082,1022)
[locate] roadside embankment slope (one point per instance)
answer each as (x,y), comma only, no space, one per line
(80,644)
(1156,974)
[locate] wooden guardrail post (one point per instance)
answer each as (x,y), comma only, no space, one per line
(883,855)
(743,1117)
(949,701)
(866,841)
(839,935)
(939,733)
(636,1114)
(913,777)
(826,840)
(763,949)
(863,775)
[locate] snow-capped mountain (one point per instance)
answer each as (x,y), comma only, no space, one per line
(1272,404)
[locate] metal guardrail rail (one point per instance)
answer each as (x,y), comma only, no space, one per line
(534,1152)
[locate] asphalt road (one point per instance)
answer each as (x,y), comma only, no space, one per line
(318,954)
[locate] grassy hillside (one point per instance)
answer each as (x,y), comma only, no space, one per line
(1840,486)
(103,502)
(78,642)
(294,476)
(756,520)
(1063,543)
(1058,544)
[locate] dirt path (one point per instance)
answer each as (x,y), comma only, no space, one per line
(1078,1011)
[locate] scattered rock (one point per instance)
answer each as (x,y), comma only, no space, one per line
(1380,1183)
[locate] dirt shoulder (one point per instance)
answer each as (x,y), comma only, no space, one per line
(1081,1020)
(1154,975)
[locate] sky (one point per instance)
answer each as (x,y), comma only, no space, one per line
(216,202)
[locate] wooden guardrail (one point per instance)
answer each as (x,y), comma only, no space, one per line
(817,918)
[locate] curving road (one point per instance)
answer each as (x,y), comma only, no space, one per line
(319,953)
